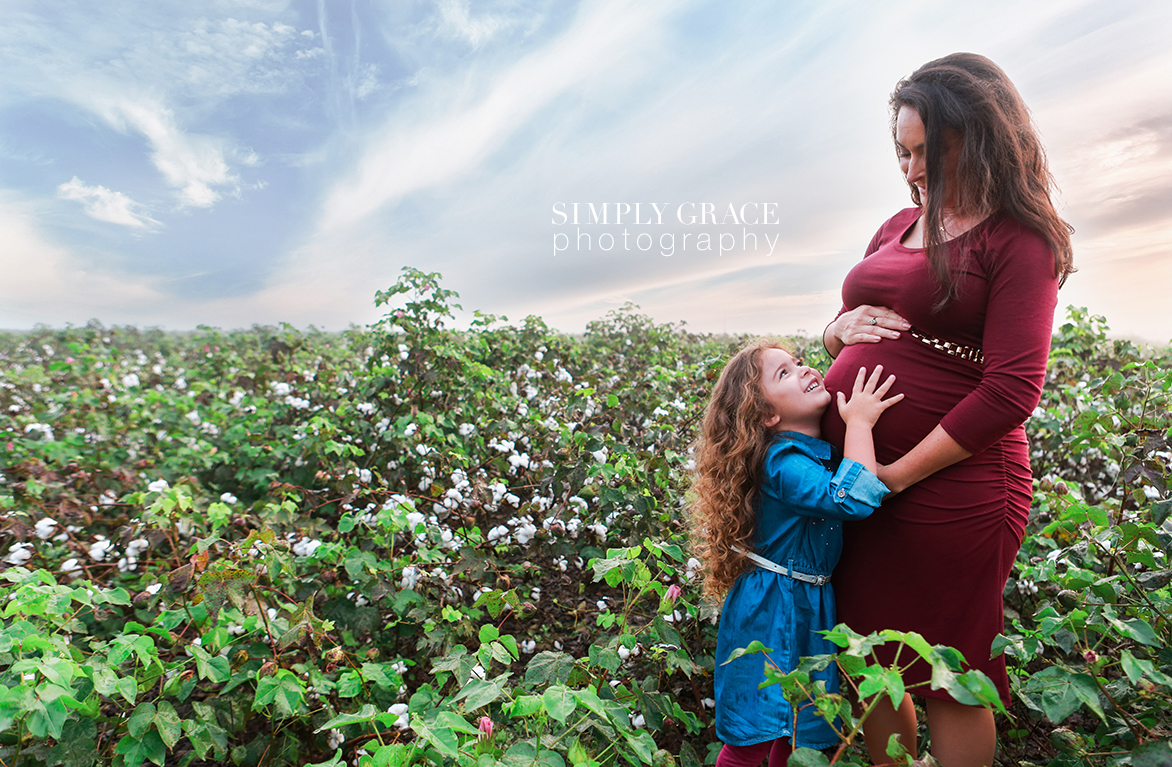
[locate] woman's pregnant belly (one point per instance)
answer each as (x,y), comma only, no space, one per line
(932,384)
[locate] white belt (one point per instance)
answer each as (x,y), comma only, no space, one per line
(760,561)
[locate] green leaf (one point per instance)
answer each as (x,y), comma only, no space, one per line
(135,751)
(560,702)
(478,692)
(489,633)
(140,720)
(1156,753)
(753,648)
(524,705)
(77,746)
(336,761)
(1059,693)
(642,744)
(128,688)
(213,668)
(1137,629)
(549,668)
(168,724)
(807,757)
(442,738)
(365,714)
(283,689)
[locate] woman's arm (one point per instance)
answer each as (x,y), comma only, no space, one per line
(934,452)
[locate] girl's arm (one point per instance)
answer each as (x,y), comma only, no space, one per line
(860,414)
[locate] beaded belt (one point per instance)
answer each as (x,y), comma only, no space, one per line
(760,561)
(970,353)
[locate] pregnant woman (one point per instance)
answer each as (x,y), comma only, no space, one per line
(956,297)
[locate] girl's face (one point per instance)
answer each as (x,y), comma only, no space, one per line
(795,392)
(912,148)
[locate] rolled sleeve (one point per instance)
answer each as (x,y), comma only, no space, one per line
(803,483)
(853,482)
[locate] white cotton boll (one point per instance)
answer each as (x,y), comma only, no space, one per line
(297,403)
(415,519)
(280,388)
(19,553)
(366,408)
(410,577)
(599,529)
(600,455)
(45,527)
(530,392)
(562,376)
(578,503)
(637,721)
(424,484)
(557,645)
(305,547)
(228,498)
(466,429)
(500,533)
(499,490)
(404,351)
(535,594)
(180,383)
(193,416)
(624,653)
(99,548)
(602,605)
(512,499)
(411,429)
(708,703)
(237,398)
(158,486)
(71,567)
(518,461)
(528,646)
(45,429)
(422,449)
(561,564)
(130,380)
(525,533)
(400,710)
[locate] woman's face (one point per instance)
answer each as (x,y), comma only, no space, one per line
(909,137)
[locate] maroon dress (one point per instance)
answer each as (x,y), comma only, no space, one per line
(935,558)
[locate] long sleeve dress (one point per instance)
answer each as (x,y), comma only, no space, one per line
(806,491)
(935,558)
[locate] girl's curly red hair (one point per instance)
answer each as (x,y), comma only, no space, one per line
(729,458)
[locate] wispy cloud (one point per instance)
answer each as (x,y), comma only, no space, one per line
(103,204)
(439,148)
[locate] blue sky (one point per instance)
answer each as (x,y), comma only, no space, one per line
(230,163)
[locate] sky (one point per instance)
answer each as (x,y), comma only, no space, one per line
(177,164)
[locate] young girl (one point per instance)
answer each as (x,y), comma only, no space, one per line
(769,495)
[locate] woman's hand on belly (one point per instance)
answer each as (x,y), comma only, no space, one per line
(864,324)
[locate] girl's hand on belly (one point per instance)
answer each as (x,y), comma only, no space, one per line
(864,324)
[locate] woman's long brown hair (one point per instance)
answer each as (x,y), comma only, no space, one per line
(1002,166)
(729,458)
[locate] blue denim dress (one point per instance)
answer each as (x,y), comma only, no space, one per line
(807,489)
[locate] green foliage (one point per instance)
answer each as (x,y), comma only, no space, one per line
(413,544)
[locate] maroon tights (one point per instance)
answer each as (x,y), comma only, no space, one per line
(778,752)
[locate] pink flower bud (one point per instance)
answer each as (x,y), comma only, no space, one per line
(1090,656)
(485,728)
(673,592)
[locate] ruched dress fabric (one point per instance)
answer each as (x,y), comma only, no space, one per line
(807,489)
(935,558)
